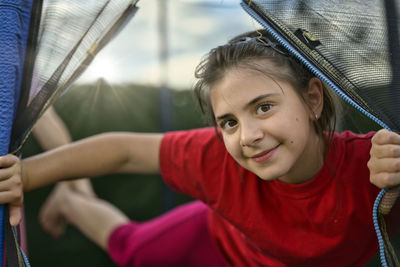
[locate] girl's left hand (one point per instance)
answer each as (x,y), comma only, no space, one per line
(384,163)
(11,186)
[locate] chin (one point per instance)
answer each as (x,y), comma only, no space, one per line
(267,177)
(270,174)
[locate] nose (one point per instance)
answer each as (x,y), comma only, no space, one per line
(250,133)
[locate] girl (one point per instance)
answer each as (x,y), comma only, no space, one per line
(282,188)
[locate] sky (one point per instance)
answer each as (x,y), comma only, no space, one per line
(193,28)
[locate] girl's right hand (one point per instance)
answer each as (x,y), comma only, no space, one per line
(11,186)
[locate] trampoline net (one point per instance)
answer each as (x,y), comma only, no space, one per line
(353,46)
(64,39)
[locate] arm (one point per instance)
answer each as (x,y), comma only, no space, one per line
(50,131)
(73,201)
(91,157)
(94,156)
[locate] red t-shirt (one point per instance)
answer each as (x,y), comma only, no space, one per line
(326,221)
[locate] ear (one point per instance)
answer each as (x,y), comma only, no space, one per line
(314,97)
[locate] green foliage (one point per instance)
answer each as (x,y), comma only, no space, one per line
(96,108)
(354,120)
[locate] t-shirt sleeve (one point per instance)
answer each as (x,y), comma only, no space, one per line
(192,162)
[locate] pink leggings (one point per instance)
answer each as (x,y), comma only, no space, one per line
(180,237)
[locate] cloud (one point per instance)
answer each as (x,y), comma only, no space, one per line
(194,27)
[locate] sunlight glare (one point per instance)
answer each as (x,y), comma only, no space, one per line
(102,67)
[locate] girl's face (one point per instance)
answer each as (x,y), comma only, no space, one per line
(267,127)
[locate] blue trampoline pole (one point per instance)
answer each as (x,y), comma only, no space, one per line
(165,95)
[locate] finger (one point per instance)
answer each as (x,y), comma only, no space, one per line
(12,184)
(385,179)
(11,197)
(8,160)
(385,137)
(389,165)
(6,173)
(385,151)
(15,214)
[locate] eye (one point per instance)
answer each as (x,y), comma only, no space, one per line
(263,108)
(227,124)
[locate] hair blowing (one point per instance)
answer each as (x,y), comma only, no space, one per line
(251,54)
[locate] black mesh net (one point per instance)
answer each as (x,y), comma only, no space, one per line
(353,46)
(65,35)
(353,53)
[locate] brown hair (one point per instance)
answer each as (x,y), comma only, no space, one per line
(246,51)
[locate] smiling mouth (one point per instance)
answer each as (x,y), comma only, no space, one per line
(264,156)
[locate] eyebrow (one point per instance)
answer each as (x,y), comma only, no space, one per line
(252,102)
(222,117)
(258,98)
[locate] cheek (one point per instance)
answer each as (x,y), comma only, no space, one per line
(292,129)
(231,145)
(300,133)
